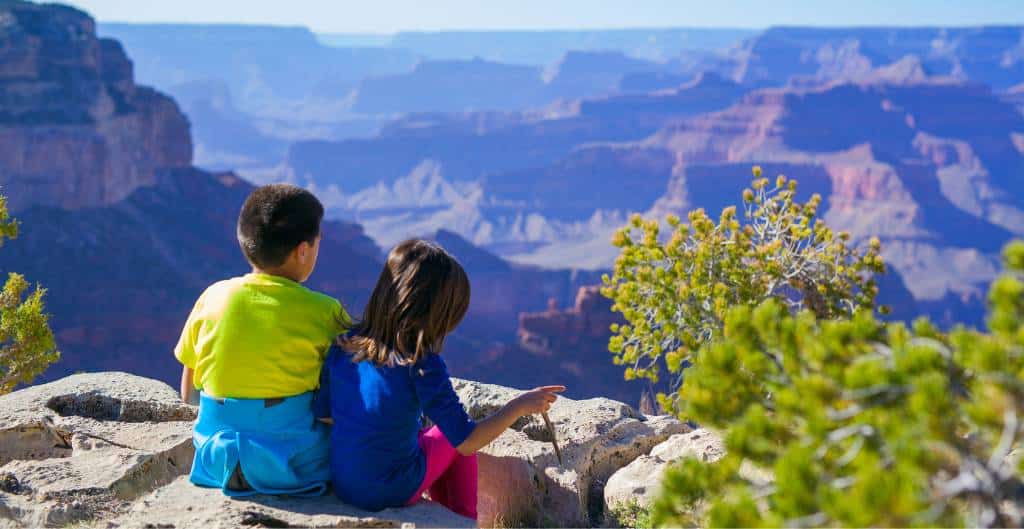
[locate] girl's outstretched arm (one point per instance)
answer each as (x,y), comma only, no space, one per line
(538,400)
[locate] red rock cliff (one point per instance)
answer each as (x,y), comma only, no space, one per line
(75,130)
(586,322)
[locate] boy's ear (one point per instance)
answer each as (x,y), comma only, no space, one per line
(303,252)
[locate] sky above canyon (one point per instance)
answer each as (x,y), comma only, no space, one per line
(387,16)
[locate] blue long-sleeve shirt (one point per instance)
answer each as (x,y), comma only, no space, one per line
(376,460)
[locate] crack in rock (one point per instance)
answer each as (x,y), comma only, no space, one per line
(96,405)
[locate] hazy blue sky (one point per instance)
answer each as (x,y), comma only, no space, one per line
(383,16)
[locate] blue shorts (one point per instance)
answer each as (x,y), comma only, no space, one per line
(277,446)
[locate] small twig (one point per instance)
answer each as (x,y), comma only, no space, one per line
(554,437)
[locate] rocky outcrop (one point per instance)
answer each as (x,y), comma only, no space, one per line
(573,343)
(116,448)
(87,445)
(589,318)
(522,482)
(501,290)
(639,483)
(75,131)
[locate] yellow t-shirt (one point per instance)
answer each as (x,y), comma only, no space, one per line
(259,336)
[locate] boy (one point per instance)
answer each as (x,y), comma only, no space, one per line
(254,345)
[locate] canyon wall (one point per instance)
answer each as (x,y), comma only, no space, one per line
(75,130)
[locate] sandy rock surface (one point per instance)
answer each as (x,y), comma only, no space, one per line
(182,504)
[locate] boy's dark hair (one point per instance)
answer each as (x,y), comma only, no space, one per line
(421,296)
(274,220)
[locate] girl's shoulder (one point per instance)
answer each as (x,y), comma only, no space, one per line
(430,366)
(336,354)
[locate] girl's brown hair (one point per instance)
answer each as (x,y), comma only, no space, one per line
(421,296)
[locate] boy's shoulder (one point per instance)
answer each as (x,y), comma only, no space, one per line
(321,298)
(321,303)
(295,291)
(218,292)
(225,286)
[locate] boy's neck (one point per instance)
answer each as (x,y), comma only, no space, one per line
(280,271)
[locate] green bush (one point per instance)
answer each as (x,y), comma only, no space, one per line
(27,345)
(630,515)
(863,423)
(674,294)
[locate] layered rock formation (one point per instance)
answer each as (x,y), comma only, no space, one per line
(939,187)
(502,290)
(513,182)
(116,223)
(75,130)
(574,339)
(115,448)
(125,254)
(553,329)
(122,278)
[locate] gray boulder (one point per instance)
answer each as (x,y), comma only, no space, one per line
(640,480)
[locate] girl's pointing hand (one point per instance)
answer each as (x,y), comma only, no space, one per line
(537,400)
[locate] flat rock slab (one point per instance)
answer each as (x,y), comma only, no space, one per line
(522,482)
(88,410)
(83,447)
(183,505)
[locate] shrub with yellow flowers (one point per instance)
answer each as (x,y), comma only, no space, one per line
(27,345)
(675,292)
(859,423)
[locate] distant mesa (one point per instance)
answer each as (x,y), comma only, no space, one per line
(546,47)
(707,92)
(451,86)
(968,53)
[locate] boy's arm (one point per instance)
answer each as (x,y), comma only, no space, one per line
(185,352)
(188,389)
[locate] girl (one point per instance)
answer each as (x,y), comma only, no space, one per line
(388,373)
